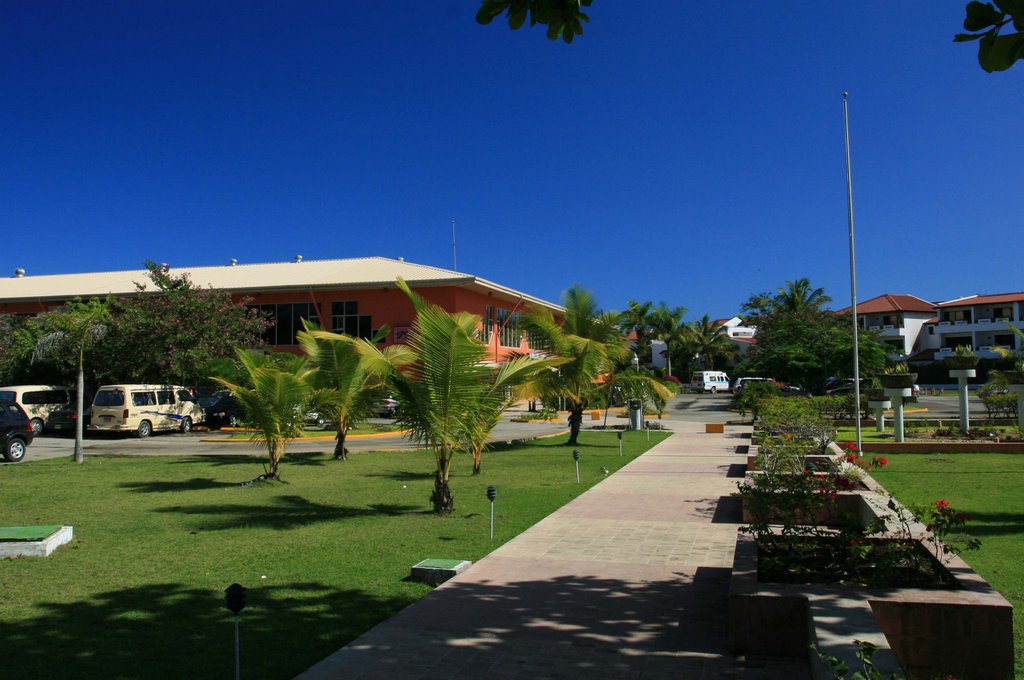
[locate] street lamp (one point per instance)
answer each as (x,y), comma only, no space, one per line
(636,362)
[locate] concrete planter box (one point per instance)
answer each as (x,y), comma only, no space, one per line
(966,632)
(897,381)
(851,508)
(955,363)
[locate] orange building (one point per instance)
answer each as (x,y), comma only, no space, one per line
(355,296)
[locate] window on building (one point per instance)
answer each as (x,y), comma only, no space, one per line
(534,339)
(510,327)
(487,327)
(1002,312)
(955,315)
(286,321)
(345,318)
(1004,339)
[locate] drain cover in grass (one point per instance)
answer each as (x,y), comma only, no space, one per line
(34,533)
(436,571)
(34,541)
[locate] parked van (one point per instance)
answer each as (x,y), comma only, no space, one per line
(709,381)
(39,401)
(143,409)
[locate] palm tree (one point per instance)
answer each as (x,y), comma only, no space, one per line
(76,327)
(708,341)
(276,394)
(590,342)
(449,396)
(798,296)
(637,317)
(347,389)
(667,325)
(513,378)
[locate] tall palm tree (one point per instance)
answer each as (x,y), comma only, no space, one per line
(590,342)
(667,325)
(449,397)
(75,328)
(637,317)
(708,341)
(798,296)
(275,396)
(347,389)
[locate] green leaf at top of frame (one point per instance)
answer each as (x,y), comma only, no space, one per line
(981,15)
(999,52)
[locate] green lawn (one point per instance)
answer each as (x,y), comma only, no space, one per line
(139,591)
(986,486)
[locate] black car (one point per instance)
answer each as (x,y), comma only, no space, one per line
(15,431)
(222,410)
(63,419)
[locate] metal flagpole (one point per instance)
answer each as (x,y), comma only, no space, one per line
(455,260)
(853,274)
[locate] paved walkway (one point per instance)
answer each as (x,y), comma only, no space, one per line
(630,580)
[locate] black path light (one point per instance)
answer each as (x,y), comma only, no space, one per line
(576,457)
(234,600)
(620,443)
(492,493)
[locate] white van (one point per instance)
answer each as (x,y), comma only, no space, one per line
(39,401)
(143,409)
(709,381)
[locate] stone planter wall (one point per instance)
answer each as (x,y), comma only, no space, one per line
(966,632)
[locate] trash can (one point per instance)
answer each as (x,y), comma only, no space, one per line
(636,414)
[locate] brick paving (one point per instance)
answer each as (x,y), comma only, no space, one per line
(630,580)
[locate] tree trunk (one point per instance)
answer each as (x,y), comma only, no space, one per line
(575,423)
(442,498)
(340,452)
(275,463)
(476,460)
(79,409)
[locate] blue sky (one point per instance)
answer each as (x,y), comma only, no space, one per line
(678,151)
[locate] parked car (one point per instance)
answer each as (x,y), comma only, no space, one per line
(709,381)
(15,431)
(846,386)
(143,409)
(63,419)
(222,410)
(385,408)
(737,386)
(39,401)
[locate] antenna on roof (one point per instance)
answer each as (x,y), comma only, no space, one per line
(455,261)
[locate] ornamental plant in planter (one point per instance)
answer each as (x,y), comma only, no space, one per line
(1016,376)
(963,357)
(907,577)
(897,376)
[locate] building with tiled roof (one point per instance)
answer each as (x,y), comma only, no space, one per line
(899,320)
(354,296)
(982,322)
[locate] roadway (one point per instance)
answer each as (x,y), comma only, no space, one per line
(686,408)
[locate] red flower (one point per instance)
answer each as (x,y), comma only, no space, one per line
(941,505)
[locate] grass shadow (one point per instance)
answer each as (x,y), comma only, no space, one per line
(125,633)
(194,484)
(285,512)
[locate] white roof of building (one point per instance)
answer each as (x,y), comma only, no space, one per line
(355,273)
